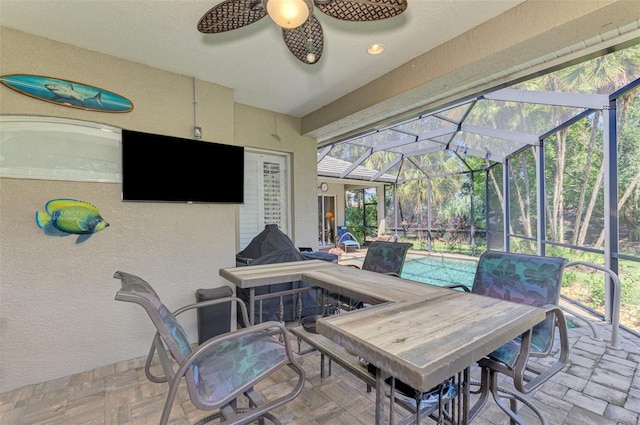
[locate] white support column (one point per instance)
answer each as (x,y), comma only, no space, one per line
(429,214)
(542,218)
(611,212)
(506,212)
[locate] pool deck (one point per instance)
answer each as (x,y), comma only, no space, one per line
(599,386)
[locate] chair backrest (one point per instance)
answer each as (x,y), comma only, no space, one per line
(522,278)
(136,290)
(386,257)
(342,230)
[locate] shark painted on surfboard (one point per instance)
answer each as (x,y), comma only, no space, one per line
(62,93)
(67,93)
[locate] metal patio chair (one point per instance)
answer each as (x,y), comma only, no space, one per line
(532,280)
(220,370)
(382,257)
(386,257)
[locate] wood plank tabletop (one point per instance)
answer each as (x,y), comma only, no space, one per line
(269,274)
(369,287)
(427,340)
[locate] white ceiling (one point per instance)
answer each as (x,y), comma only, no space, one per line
(252,60)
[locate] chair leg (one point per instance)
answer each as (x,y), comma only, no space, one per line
(513,404)
(228,412)
(483,391)
(255,400)
(511,410)
(418,402)
(168,404)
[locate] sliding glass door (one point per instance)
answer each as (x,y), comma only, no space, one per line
(326,221)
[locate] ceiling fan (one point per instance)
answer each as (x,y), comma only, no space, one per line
(301,30)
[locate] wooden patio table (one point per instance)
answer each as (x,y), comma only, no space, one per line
(418,333)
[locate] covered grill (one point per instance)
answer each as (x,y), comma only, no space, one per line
(269,247)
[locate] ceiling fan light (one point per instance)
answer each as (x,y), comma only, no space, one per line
(288,14)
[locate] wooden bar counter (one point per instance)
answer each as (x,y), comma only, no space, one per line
(418,333)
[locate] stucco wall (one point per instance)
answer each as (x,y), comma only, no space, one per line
(57,312)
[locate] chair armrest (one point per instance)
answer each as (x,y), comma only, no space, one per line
(205,304)
(524,384)
(208,303)
(458,286)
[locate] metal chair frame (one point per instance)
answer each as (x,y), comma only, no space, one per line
(526,376)
(179,359)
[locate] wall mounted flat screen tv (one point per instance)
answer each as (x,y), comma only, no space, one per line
(171,169)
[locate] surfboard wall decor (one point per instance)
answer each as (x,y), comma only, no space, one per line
(67,93)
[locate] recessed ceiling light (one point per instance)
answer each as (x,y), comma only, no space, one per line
(375,48)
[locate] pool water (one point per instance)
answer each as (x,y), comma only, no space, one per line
(442,271)
(439,270)
(435,269)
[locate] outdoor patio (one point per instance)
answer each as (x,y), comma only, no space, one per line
(600,386)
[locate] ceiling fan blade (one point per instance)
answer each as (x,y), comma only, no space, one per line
(305,40)
(231,14)
(361,10)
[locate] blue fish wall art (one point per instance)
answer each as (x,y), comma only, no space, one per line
(64,217)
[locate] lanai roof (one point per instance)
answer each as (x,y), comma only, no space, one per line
(476,133)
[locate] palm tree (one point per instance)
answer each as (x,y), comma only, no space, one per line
(602,75)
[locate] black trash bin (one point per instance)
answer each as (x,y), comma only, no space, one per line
(215,319)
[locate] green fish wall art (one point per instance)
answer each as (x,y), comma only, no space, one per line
(66,217)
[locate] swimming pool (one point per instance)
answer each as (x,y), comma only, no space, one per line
(439,270)
(435,269)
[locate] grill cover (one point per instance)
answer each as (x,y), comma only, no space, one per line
(269,241)
(269,247)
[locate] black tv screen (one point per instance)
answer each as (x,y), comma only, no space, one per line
(171,169)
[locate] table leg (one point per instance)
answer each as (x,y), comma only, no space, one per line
(380,396)
(466,394)
(252,305)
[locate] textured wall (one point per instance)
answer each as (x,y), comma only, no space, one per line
(57,312)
